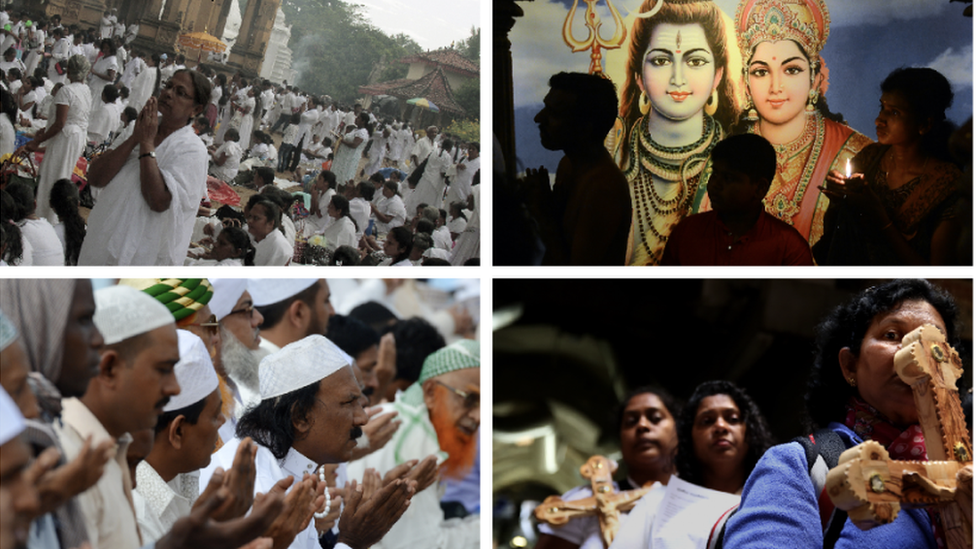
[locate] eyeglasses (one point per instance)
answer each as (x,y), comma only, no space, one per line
(211,325)
(471,400)
(245,310)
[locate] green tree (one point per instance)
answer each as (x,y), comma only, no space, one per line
(470,47)
(469,97)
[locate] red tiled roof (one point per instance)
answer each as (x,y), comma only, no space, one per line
(447,58)
(432,86)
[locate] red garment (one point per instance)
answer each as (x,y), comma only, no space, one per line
(702,239)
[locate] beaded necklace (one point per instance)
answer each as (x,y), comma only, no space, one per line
(789,186)
(679,167)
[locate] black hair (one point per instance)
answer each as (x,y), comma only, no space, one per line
(110,92)
(240,240)
(266,174)
(23,196)
(377,178)
(271,210)
(366,190)
(402,236)
(329,178)
(8,107)
(424,226)
(274,312)
(344,256)
(232,135)
(271,422)
(670,402)
(929,94)
(201,86)
(111,45)
(374,314)
(845,326)
(423,241)
(123,92)
(435,262)
(11,239)
(65,201)
(416,339)
(191,413)
(341,204)
(596,100)
(352,335)
(131,114)
(750,154)
(443,214)
(460,209)
(757,435)
(393,186)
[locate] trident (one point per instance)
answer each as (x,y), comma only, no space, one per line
(593,40)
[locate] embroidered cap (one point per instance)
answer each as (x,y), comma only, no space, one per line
(459,355)
(267,291)
(226,292)
(194,372)
(122,312)
(182,296)
(300,364)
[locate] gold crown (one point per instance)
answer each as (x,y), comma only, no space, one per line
(807,22)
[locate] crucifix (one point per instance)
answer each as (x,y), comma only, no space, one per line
(604,503)
(872,488)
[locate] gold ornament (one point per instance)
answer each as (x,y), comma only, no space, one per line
(712,104)
(644,104)
(811,107)
(851,381)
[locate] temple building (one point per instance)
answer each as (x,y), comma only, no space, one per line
(277,60)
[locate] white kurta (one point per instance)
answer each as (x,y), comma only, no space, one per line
(64,148)
(142,88)
(460,188)
(273,251)
(247,122)
(423,524)
(430,188)
(123,230)
(360,211)
(315,224)
(228,170)
(159,504)
(347,158)
(341,232)
(442,238)
(391,206)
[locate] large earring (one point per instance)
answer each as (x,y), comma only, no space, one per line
(712,104)
(812,103)
(644,104)
(751,114)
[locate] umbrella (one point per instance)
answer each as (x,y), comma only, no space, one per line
(423,103)
(202,41)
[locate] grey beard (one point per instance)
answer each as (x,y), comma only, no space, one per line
(239,362)
(363,441)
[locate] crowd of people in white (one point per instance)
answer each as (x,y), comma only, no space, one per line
(156,143)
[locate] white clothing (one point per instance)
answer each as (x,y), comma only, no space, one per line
(315,224)
(347,157)
(468,243)
(421,149)
(423,524)
(228,171)
(97,84)
(64,148)
(376,152)
(360,211)
(47,249)
(142,88)
(59,52)
(460,187)
(430,188)
(391,206)
(585,531)
(290,137)
(247,122)
(306,121)
(105,26)
(105,119)
(123,230)
(340,233)
(8,135)
(273,251)
(132,69)
(442,237)
(159,504)
(456,225)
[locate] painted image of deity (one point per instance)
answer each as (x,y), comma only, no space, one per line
(691,72)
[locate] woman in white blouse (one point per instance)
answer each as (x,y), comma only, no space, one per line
(271,248)
(342,231)
(105,69)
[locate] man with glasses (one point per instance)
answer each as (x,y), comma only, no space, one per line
(441,417)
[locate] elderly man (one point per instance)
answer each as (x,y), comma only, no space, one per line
(135,381)
(441,415)
(423,147)
(311,413)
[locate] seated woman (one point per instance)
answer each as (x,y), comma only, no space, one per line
(647,442)
(397,246)
(272,249)
(71,229)
(853,395)
(342,231)
(14,248)
(721,436)
(45,247)
(898,208)
(232,249)
(322,192)
(226,159)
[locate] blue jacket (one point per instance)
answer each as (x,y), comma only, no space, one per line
(779,509)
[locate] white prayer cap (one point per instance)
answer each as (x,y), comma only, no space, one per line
(11,421)
(122,312)
(300,364)
(226,293)
(266,291)
(194,372)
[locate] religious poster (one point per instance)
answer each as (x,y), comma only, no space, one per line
(805,74)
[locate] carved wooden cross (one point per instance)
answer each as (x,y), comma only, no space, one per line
(872,488)
(604,503)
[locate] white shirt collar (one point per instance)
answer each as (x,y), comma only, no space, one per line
(296,465)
